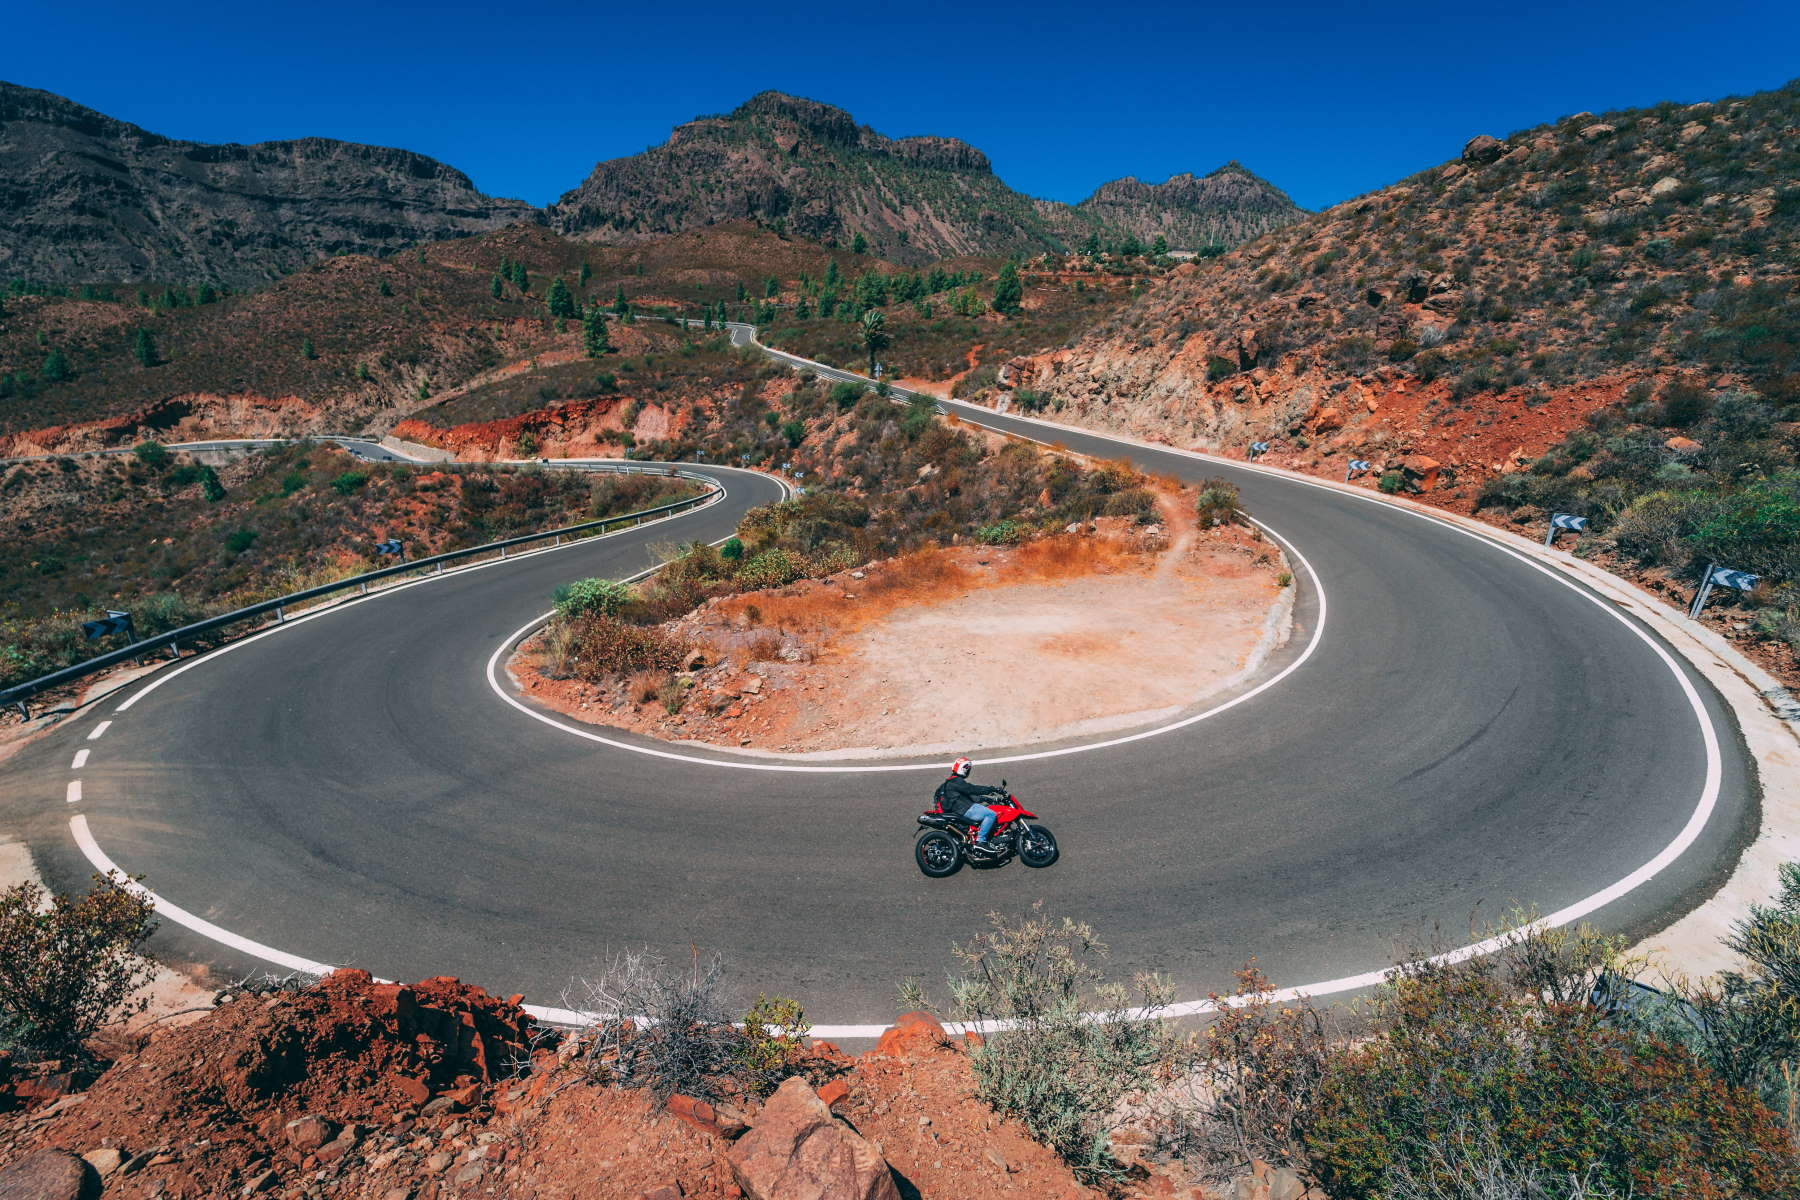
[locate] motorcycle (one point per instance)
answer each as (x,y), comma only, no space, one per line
(945,842)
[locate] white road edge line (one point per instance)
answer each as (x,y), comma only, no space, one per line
(79,827)
(99,729)
(513,639)
(81,757)
(73,795)
(1689,834)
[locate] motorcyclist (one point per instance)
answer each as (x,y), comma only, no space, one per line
(960,798)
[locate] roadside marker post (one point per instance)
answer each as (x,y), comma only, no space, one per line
(1564,523)
(1741,581)
(392,546)
(1357,467)
(115,621)
(1257,450)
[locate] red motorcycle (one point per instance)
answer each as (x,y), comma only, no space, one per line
(945,841)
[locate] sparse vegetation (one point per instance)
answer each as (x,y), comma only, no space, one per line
(69,965)
(1060,1071)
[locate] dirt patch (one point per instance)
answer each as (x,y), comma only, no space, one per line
(960,649)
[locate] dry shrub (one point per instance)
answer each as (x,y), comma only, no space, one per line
(1255,1086)
(765,647)
(1068,556)
(645,686)
(597,647)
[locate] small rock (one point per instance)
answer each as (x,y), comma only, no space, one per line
(308,1133)
(438,1163)
(399,1193)
(834,1093)
(105,1160)
(259,1184)
(470,1174)
(668,1191)
(49,1175)
(1593,133)
(997,1158)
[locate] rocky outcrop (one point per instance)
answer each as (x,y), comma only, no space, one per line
(89,199)
(799,1151)
(1228,206)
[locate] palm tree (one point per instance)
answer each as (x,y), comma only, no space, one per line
(874,335)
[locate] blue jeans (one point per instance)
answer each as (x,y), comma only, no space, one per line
(987,817)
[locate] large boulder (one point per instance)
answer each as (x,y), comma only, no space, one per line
(1483,149)
(48,1175)
(799,1151)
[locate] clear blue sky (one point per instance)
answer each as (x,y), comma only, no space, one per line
(1327,101)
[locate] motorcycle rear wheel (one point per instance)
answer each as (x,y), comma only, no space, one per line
(1038,847)
(937,853)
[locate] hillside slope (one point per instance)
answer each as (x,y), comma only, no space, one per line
(1609,249)
(810,169)
(89,199)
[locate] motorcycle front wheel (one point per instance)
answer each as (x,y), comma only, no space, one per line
(937,853)
(1038,847)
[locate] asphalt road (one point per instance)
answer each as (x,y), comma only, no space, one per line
(1457,733)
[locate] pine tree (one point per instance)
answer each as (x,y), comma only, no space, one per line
(558,300)
(385,288)
(496,287)
(771,288)
(803,310)
(1009,293)
(832,276)
(593,331)
(521,277)
(1160,246)
(207,293)
(620,305)
(859,244)
(306,349)
(143,348)
(55,368)
(743,293)
(583,275)
(1091,247)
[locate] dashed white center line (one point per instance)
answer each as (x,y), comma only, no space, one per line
(80,760)
(99,729)
(74,791)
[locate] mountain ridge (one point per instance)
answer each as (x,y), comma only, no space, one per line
(808,167)
(91,198)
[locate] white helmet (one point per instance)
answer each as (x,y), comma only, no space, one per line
(961,768)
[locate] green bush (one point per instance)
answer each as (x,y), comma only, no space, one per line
(1053,1067)
(583,596)
(69,965)
(1003,533)
(845,395)
(1391,482)
(1217,503)
(152,454)
(348,482)
(774,567)
(774,1045)
(1481,1065)
(733,549)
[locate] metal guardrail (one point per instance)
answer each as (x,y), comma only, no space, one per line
(18,694)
